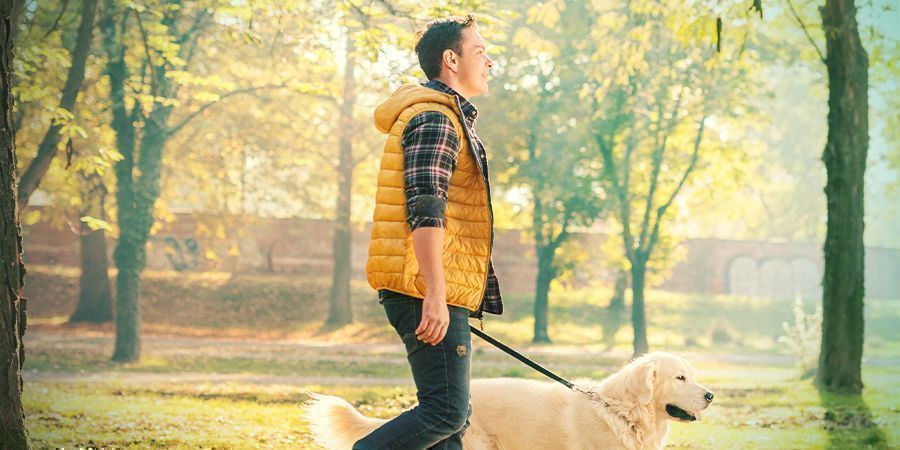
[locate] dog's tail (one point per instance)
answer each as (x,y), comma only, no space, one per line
(336,424)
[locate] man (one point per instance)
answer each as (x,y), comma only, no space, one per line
(430,253)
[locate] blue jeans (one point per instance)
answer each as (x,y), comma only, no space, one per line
(441,374)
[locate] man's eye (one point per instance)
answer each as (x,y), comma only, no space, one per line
(680,377)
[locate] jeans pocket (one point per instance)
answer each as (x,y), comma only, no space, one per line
(402,315)
(411,342)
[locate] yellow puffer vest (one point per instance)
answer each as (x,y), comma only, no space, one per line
(392,262)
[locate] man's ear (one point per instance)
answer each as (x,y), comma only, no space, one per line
(450,59)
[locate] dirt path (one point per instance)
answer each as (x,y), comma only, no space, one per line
(559,358)
(308,349)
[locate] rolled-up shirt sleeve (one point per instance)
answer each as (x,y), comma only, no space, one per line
(430,147)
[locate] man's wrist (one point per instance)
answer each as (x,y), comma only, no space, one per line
(435,292)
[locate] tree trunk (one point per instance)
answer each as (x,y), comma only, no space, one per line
(94,292)
(38,167)
(128,312)
(617,302)
(340,312)
(127,346)
(541,295)
(12,310)
(845,161)
(638,317)
(134,232)
(614,317)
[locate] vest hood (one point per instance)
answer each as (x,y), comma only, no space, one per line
(404,97)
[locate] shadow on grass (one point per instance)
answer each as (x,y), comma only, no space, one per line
(848,421)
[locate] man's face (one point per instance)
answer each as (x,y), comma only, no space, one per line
(474,64)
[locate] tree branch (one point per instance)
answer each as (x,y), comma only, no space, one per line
(175,129)
(195,26)
(147,51)
(392,10)
(55,24)
(662,209)
(805,31)
(564,233)
(662,138)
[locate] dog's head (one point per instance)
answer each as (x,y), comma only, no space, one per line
(665,382)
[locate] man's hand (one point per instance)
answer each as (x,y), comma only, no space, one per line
(429,248)
(435,318)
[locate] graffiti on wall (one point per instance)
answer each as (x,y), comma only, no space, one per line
(182,253)
(774,277)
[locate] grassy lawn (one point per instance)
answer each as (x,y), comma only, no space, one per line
(756,407)
(227,362)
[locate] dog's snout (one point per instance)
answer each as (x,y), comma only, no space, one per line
(708,396)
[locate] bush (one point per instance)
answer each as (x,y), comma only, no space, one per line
(803,337)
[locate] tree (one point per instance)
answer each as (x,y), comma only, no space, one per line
(656,93)
(54,50)
(48,147)
(844,157)
(339,311)
(840,358)
(137,192)
(542,92)
(150,84)
(13,434)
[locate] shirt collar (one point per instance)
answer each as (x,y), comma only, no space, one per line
(468,109)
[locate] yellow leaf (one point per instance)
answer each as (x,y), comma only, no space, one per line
(96,224)
(31,217)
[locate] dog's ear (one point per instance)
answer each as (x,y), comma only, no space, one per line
(641,380)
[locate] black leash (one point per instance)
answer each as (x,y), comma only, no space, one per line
(521,357)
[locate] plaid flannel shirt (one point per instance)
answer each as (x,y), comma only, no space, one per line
(430,146)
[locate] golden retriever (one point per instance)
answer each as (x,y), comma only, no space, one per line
(628,410)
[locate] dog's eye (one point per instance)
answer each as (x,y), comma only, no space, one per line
(680,378)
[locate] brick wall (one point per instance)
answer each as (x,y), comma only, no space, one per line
(303,246)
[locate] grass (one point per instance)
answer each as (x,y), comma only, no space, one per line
(247,391)
(756,407)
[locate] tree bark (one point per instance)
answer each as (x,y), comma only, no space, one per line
(134,230)
(844,156)
(38,167)
(638,316)
(546,274)
(13,434)
(340,312)
(127,346)
(94,292)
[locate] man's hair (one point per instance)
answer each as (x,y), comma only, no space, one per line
(437,36)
